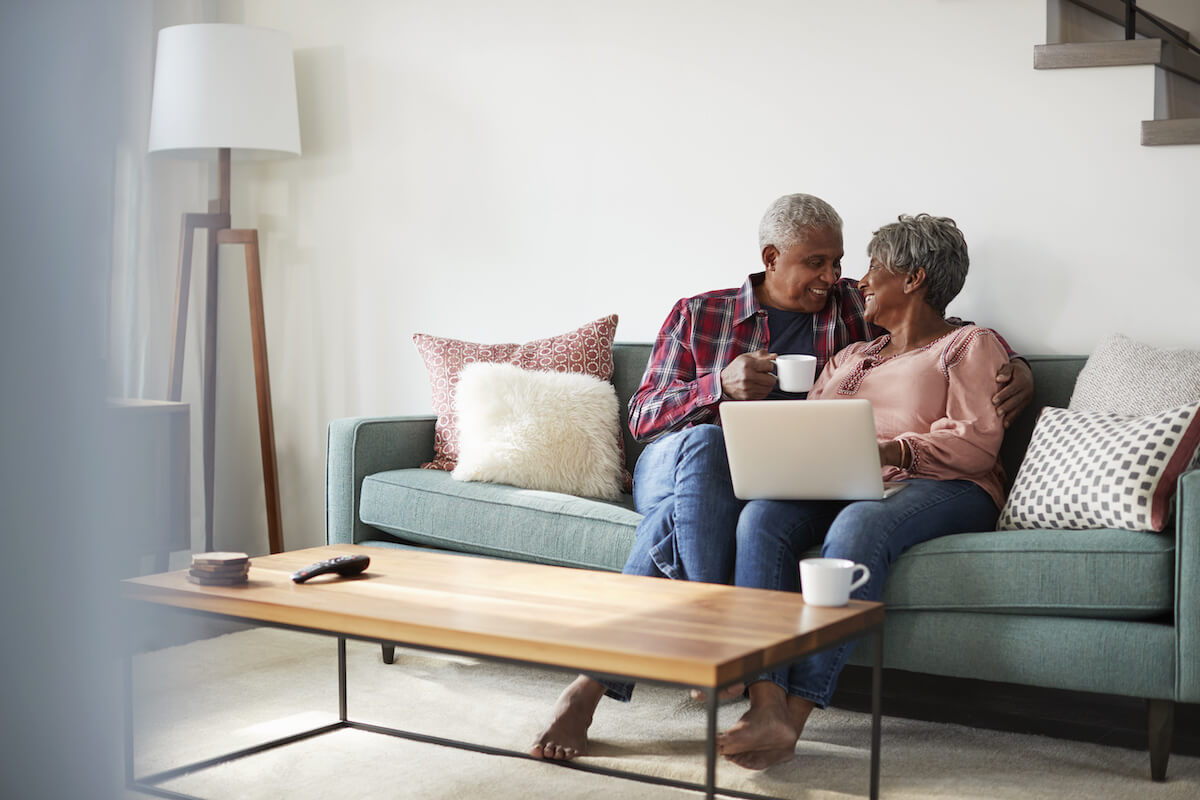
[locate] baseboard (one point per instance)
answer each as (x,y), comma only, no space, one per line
(1078,716)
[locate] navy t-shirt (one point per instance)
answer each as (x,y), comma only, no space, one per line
(791,332)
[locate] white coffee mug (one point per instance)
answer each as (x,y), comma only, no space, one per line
(796,372)
(828,581)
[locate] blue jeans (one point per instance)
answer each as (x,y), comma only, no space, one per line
(773,535)
(682,488)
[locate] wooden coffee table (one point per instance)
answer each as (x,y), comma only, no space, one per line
(694,635)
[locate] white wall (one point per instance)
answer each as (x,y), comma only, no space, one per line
(504,171)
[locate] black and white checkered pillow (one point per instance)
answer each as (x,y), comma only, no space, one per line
(1086,470)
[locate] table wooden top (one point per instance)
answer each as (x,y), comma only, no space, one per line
(698,634)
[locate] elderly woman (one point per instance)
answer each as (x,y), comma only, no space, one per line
(930,384)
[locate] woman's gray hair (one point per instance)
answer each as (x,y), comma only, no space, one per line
(934,243)
(791,217)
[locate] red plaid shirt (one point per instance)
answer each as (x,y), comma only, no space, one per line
(703,334)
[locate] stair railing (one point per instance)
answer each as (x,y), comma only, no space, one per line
(1131,15)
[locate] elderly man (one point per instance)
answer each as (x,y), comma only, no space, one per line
(720,346)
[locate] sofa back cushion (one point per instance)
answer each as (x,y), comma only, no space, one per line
(629,363)
(1053,382)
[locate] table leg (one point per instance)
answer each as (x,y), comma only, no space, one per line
(876,710)
(342,678)
(710,749)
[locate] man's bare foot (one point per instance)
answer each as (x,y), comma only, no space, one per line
(767,733)
(566,735)
(728,693)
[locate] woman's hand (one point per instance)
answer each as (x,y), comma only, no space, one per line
(891,454)
(1015,380)
(749,376)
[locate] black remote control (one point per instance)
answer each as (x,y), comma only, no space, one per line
(342,565)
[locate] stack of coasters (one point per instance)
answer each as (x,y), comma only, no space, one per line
(219,569)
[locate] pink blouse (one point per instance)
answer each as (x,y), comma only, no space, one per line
(938,399)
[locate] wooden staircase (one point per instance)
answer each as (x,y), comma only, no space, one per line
(1082,33)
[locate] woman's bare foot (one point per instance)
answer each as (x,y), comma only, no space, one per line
(761,759)
(728,693)
(566,735)
(767,733)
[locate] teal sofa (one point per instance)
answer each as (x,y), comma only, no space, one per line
(1113,612)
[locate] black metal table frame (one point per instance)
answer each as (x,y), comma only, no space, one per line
(148,784)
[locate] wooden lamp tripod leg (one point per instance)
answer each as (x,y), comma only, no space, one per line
(212,222)
(266,424)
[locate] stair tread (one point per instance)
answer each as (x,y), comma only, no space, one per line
(1171,131)
(1131,52)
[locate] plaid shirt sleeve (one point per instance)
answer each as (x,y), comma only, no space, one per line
(674,391)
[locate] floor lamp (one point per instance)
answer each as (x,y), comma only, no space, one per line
(224,90)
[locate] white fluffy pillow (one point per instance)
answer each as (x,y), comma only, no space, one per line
(538,430)
(1123,376)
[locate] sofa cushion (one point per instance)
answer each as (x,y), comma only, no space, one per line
(538,430)
(430,507)
(1107,574)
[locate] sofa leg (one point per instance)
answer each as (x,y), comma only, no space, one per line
(389,654)
(1160,716)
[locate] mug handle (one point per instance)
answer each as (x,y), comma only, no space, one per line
(866,576)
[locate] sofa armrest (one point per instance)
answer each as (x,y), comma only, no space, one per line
(1187,588)
(361,446)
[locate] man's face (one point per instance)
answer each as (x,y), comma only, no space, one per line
(799,278)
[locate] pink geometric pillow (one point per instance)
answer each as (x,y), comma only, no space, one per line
(586,350)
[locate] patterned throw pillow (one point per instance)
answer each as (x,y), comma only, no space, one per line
(1088,470)
(586,350)
(1123,376)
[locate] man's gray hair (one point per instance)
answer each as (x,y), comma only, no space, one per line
(934,243)
(791,217)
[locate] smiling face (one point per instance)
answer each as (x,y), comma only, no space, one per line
(800,277)
(887,292)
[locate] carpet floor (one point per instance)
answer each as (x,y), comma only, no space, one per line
(217,695)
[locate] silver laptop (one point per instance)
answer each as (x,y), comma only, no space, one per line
(803,450)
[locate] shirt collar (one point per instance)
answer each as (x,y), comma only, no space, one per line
(747,304)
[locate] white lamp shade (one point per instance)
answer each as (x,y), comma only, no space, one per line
(218,85)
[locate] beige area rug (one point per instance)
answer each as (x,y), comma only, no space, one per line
(217,695)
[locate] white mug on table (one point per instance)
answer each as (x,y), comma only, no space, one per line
(829,581)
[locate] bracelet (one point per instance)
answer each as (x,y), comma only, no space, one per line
(905,454)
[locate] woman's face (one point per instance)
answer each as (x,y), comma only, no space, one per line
(883,291)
